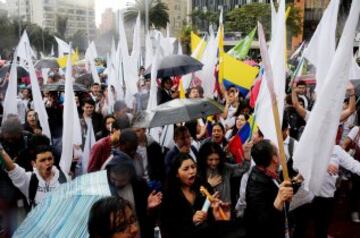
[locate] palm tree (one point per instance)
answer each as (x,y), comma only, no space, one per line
(158,12)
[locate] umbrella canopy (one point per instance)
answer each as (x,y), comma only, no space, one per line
(177,110)
(85,79)
(60,87)
(21,72)
(50,63)
(65,211)
(175,65)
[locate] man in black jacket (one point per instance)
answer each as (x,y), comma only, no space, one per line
(265,199)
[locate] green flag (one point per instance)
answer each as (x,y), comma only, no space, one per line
(241,49)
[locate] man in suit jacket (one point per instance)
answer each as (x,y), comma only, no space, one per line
(182,140)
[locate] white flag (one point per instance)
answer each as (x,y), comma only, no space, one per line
(264,117)
(354,70)
(63,47)
(10,100)
(68,137)
(321,48)
(317,141)
(89,142)
(37,98)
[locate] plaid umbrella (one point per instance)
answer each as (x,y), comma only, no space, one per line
(64,212)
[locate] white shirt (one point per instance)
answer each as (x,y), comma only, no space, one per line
(353,133)
(339,157)
(21,180)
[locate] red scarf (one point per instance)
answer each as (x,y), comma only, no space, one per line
(267,172)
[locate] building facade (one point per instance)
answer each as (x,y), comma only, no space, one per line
(179,15)
(80,14)
(108,21)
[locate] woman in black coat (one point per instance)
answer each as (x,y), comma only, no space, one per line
(181,213)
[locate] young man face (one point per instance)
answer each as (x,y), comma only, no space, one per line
(43,163)
(88,109)
(95,89)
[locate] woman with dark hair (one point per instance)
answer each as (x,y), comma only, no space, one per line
(217,135)
(182,214)
(32,123)
(166,92)
(213,168)
(240,121)
(112,217)
(106,127)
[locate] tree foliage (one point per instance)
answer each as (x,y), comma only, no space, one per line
(245,18)
(61,25)
(202,19)
(158,13)
(40,39)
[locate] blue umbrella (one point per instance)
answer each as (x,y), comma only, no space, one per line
(64,212)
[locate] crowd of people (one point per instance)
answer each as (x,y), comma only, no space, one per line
(156,187)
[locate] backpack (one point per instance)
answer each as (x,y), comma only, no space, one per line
(34,183)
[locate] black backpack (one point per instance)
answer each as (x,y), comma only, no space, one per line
(34,183)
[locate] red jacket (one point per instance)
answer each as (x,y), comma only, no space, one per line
(100,152)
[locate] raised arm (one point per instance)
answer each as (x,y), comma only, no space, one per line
(295,102)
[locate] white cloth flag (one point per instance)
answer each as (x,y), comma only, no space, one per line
(10,101)
(209,60)
(23,50)
(154,87)
(313,152)
(149,52)
(90,56)
(179,49)
(264,117)
(354,70)
(37,97)
(63,47)
(273,21)
(89,142)
(45,74)
(69,122)
(321,48)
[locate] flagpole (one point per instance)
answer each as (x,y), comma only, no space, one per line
(275,110)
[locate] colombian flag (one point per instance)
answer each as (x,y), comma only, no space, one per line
(238,74)
(235,143)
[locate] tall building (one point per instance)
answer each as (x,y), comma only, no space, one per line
(179,14)
(19,8)
(80,14)
(108,21)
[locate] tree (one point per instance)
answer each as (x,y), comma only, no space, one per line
(245,18)
(61,25)
(79,40)
(202,19)
(158,13)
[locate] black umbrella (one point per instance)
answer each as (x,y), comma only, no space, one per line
(50,63)
(177,110)
(175,65)
(21,72)
(60,87)
(85,79)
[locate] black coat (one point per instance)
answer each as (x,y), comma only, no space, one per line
(261,217)
(156,164)
(177,214)
(163,96)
